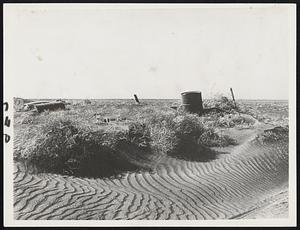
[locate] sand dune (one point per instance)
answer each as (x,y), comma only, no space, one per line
(242,183)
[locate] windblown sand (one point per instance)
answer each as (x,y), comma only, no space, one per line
(249,181)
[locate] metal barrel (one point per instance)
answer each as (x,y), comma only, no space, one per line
(192,102)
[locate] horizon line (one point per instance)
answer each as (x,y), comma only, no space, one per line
(269,99)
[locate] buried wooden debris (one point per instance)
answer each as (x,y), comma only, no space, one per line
(31,105)
(110,119)
(102,119)
(107,120)
(50,106)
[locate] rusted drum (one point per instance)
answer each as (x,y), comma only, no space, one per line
(192,102)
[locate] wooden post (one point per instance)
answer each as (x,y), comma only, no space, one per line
(233,97)
(136,98)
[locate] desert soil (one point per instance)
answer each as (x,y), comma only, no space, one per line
(250,180)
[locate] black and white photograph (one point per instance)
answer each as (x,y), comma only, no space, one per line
(115,113)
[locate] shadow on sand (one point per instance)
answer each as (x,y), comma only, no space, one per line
(195,152)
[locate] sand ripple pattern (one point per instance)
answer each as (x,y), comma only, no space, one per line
(226,188)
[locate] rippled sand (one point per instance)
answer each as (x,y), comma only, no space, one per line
(249,181)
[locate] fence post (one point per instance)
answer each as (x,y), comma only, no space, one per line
(136,99)
(233,97)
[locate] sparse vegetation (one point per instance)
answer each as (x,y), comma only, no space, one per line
(77,142)
(228,116)
(221,102)
(74,142)
(87,102)
(274,135)
(63,147)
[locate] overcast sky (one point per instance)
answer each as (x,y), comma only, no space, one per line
(156,52)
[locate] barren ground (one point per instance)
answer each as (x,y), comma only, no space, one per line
(249,180)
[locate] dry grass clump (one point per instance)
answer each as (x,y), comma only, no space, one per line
(274,135)
(211,138)
(77,147)
(235,120)
(183,135)
(220,102)
(192,138)
(19,103)
(87,102)
(139,134)
(27,118)
(231,120)
(228,116)
(24,140)
(64,147)
(187,132)
(269,112)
